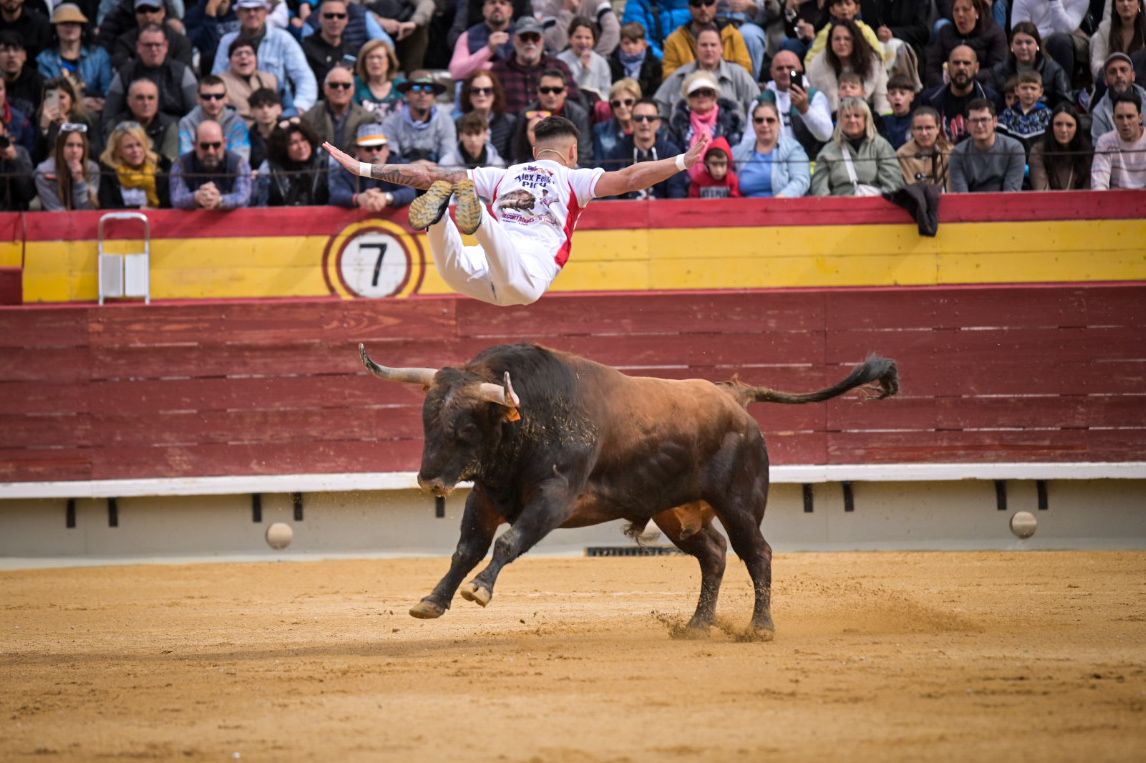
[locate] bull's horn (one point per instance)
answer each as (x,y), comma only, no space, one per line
(502,395)
(423,376)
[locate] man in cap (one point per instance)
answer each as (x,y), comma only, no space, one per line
(210,176)
(347,189)
(1119,72)
(25,83)
(123,48)
(336,118)
(423,131)
(527,239)
(86,64)
(279,53)
(520,74)
(32,25)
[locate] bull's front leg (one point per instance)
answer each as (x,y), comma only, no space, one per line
(480,521)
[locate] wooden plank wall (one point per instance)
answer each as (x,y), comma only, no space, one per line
(995,374)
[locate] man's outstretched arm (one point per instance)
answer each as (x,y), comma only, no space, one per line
(645,174)
(413,175)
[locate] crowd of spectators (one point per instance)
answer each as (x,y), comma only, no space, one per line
(219,104)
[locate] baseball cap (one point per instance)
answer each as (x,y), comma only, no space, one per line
(371,135)
(148,4)
(527,25)
(1117,57)
(701,82)
(252,4)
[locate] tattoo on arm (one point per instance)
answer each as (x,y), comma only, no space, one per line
(414,175)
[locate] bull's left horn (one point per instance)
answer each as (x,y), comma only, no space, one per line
(502,395)
(423,376)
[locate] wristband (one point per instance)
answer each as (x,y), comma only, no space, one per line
(364,169)
(680,162)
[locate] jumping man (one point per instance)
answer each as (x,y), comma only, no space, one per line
(524,244)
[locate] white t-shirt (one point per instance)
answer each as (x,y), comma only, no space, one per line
(538,203)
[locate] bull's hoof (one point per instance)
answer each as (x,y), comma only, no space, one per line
(759,632)
(427,610)
(689,632)
(476,593)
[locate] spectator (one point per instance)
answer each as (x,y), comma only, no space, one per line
(210,176)
(242,77)
(469,12)
(559,14)
(123,47)
(207,22)
(60,103)
(266,111)
(520,74)
(143,107)
(68,179)
(1120,155)
(800,19)
(848,50)
(1029,117)
(716,179)
(926,157)
(88,66)
(774,163)
(553,98)
(33,27)
(117,17)
(659,18)
(735,83)
(18,125)
(1026,53)
(635,60)
(805,112)
(474,148)
(974,28)
(988,162)
(24,84)
(482,93)
(590,69)
(294,173)
(361,25)
(376,70)
(423,131)
(353,192)
(622,97)
(132,175)
(17,186)
(484,42)
(1123,30)
(213,106)
(840,11)
(896,126)
(408,24)
(704,112)
(1119,70)
(1061,161)
(336,117)
(1059,22)
(647,143)
(680,46)
(951,100)
(525,139)
(175,80)
(857,161)
(327,48)
(278,53)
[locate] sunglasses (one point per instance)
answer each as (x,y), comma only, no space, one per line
(373,149)
(550,90)
(481,91)
(340,85)
(421,88)
(702,93)
(529,37)
(208,145)
(79,127)
(645,118)
(212,96)
(765,120)
(626,102)
(698,3)
(332,16)
(146,9)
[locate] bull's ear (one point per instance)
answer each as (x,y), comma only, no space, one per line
(503,395)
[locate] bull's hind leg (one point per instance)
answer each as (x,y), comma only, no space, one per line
(479,522)
(749,544)
(689,528)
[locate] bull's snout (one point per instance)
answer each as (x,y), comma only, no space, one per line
(435,485)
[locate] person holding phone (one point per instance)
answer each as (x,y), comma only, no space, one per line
(804,111)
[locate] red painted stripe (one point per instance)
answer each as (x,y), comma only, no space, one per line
(575,210)
(11,286)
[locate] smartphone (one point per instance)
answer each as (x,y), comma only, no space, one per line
(797,79)
(52,99)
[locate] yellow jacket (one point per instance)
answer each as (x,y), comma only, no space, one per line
(680,48)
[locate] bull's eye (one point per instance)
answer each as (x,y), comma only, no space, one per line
(467,432)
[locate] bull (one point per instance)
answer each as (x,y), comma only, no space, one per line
(552,440)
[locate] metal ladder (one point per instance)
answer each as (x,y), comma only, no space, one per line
(125,276)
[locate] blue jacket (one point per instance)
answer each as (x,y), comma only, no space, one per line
(282,56)
(673,13)
(94,68)
(791,174)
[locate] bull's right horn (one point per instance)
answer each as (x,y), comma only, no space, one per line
(423,376)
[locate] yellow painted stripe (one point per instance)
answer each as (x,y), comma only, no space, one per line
(11,254)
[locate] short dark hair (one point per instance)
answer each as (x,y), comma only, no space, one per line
(264,96)
(634,30)
(241,42)
(279,140)
(706,27)
(555,127)
(472,123)
(900,82)
(648,101)
(581,21)
(927,111)
(979,104)
(1030,76)
(212,80)
(1130,96)
(554,74)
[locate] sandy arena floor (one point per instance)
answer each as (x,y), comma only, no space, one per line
(878,656)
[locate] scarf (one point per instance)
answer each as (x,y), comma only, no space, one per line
(698,124)
(142,178)
(631,63)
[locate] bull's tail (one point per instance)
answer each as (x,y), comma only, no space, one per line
(879,375)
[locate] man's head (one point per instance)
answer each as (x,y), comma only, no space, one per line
(13,55)
(333,18)
(962,66)
(371,144)
(1029,88)
(716,162)
(783,64)
(143,100)
(473,132)
(497,13)
(210,144)
(421,90)
(1119,70)
(634,41)
(551,91)
(925,127)
(900,94)
(528,46)
(13,8)
(703,11)
(982,121)
(850,85)
(1127,115)
(338,87)
(212,96)
(843,9)
(646,122)
(266,107)
(243,56)
(709,47)
(149,12)
(252,16)
(555,138)
(151,47)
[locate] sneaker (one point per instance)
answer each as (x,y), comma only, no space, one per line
(468,213)
(428,208)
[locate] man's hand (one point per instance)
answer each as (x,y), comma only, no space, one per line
(496,40)
(799,97)
(405,29)
(208,197)
(693,155)
(347,161)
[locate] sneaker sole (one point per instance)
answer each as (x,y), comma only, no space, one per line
(428,208)
(468,213)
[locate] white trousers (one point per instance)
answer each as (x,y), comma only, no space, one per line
(494,271)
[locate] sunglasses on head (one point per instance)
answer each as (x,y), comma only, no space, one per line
(79,127)
(207,145)
(550,90)
(698,3)
(622,102)
(645,117)
(340,85)
(212,96)
(330,16)
(481,91)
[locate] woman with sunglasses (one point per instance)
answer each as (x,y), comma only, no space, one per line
(376,75)
(61,104)
(704,112)
(772,166)
(590,69)
(68,179)
(294,174)
(482,93)
(132,174)
(606,135)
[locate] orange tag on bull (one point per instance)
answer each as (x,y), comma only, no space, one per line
(513,415)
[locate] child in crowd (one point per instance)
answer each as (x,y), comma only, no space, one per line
(1010,97)
(851,86)
(896,126)
(717,180)
(1029,117)
(266,110)
(473,148)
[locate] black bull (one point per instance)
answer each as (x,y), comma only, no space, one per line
(554,440)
